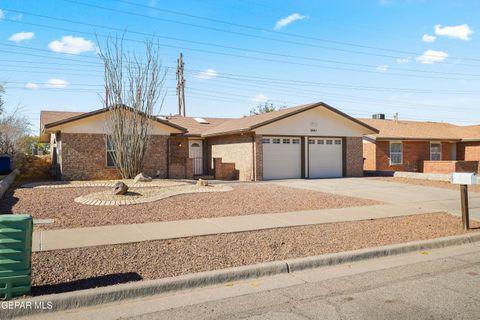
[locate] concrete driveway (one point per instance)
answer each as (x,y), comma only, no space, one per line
(424,198)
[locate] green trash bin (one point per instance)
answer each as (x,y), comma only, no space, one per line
(15,255)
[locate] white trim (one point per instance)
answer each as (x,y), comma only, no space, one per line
(439,153)
(390,153)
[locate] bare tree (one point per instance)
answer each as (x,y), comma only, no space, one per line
(13,129)
(133,87)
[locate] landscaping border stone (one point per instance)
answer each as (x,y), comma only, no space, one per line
(6,183)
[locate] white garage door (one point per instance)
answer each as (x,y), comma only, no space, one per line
(281,158)
(325,158)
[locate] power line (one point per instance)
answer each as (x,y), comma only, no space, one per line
(257,29)
(252,58)
(226,47)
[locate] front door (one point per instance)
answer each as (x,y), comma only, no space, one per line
(195,151)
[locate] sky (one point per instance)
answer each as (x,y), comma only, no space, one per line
(415,58)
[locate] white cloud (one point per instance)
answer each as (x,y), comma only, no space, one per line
(18,17)
(259,98)
(403,60)
(71,44)
(431,56)
(428,38)
(22,36)
(56,83)
(31,85)
(287,20)
(382,68)
(207,74)
(2,14)
(462,32)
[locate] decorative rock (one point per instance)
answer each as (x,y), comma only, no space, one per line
(202,183)
(120,188)
(142,177)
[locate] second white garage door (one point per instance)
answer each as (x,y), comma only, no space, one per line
(325,158)
(282,158)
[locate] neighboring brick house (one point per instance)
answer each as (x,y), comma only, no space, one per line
(307,141)
(431,147)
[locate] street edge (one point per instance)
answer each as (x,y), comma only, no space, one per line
(97,296)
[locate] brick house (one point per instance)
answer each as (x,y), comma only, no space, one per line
(430,147)
(307,141)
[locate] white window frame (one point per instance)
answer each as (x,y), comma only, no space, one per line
(276,141)
(108,151)
(265,140)
(439,153)
(396,153)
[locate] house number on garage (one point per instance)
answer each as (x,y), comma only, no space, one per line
(313,130)
(313,124)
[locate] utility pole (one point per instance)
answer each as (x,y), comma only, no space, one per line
(180,86)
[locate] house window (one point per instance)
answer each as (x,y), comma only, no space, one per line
(435,151)
(321,141)
(311,141)
(265,140)
(110,153)
(396,153)
(329,141)
(338,141)
(276,140)
(296,141)
(286,141)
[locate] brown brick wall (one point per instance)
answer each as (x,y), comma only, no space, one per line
(468,151)
(414,153)
(258,158)
(224,171)
(237,149)
(84,157)
(354,157)
(178,167)
(447,167)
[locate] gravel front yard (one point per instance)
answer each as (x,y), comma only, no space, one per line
(74,269)
(428,183)
(43,203)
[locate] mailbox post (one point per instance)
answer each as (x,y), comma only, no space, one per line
(464,180)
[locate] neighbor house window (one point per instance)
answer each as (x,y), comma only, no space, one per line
(396,153)
(110,153)
(435,151)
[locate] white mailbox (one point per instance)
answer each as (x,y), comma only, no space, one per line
(464,178)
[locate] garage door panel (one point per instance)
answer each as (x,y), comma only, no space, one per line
(325,158)
(281,158)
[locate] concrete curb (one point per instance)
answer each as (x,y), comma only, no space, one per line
(90,297)
(6,183)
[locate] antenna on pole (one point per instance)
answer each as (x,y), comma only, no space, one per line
(180,86)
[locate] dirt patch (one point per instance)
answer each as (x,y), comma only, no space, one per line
(73,269)
(43,203)
(427,183)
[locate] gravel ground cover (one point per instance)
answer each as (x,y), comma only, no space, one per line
(74,269)
(428,183)
(45,203)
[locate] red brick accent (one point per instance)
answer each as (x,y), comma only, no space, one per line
(354,156)
(414,154)
(224,171)
(468,151)
(447,167)
(83,157)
